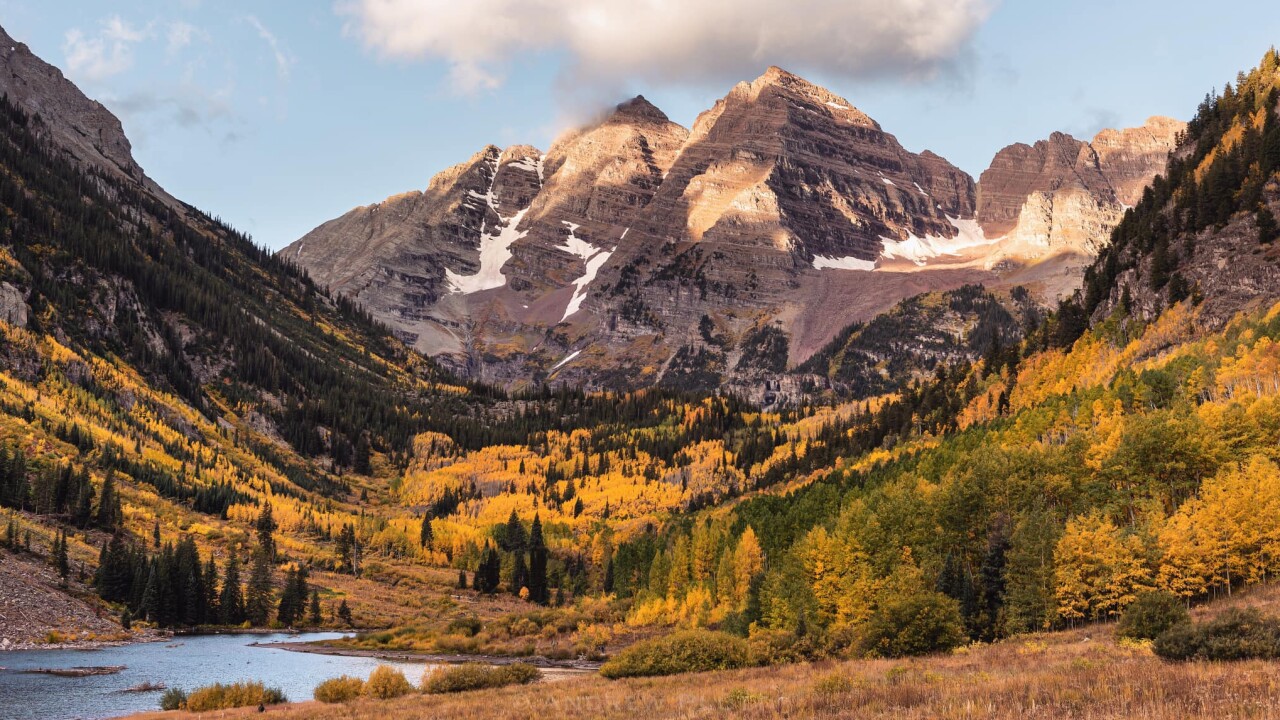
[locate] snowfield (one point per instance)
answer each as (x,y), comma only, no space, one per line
(595,259)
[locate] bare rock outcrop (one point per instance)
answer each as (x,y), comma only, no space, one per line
(86,130)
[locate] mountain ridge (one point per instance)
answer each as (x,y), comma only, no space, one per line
(780,197)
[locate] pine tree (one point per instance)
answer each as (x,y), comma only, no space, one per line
(266,528)
(462,579)
(60,559)
(293,598)
(257,602)
(344,613)
(315,609)
(84,506)
(231,600)
(109,514)
(1268,229)
(514,539)
(426,537)
(537,563)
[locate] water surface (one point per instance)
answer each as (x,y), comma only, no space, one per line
(184,662)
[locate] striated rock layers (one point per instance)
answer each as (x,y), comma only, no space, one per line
(635,252)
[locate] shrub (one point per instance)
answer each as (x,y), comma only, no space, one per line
(386,682)
(1233,635)
(339,689)
(173,699)
(914,624)
(467,626)
(741,698)
(834,684)
(681,652)
(779,647)
(242,694)
(1151,614)
(473,676)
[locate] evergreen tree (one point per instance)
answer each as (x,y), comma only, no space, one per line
(231,601)
(315,609)
(344,613)
(109,514)
(84,506)
(426,536)
(293,598)
(519,573)
(257,597)
(60,559)
(537,563)
(1268,229)
(513,538)
(488,574)
(266,528)
(462,579)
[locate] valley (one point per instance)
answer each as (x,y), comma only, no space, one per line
(765,417)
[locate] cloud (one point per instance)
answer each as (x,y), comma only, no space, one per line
(673,42)
(284,63)
(109,52)
(179,36)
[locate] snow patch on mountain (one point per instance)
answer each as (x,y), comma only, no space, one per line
(495,247)
(920,250)
(566,359)
(821,262)
(595,259)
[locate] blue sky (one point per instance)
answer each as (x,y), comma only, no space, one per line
(278,116)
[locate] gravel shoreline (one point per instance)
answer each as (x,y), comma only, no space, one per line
(542,663)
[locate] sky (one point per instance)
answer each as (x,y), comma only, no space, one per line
(277,116)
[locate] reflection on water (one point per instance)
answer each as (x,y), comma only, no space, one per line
(184,662)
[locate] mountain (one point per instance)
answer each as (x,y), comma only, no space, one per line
(160,373)
(1206,229)
(784,214)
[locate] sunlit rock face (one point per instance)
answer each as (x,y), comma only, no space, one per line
(633,249)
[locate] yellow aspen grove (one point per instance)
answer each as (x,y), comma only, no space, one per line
(1099,569)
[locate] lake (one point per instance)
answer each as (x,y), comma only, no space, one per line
(186,662)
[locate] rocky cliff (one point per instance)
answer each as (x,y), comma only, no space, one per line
(635,252)
(79,126)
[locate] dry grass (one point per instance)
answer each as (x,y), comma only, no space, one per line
(1075,674)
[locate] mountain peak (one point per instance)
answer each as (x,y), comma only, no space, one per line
(639,108)
(791,85)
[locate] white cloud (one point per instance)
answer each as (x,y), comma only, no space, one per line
(109,52)
(179,36)
(284,62)
(688,42)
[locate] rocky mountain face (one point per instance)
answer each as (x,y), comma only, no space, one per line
(1205,232)
(636,253)
(79,127)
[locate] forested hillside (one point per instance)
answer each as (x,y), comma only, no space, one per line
(194,430)
(1051,482)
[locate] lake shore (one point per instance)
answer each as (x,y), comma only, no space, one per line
(574,667)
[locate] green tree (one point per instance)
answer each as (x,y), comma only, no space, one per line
(266,527)
(315,609)
(231,600)
(426,536)
(109,513)
(1268,229)
(257,604)
(537,584)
